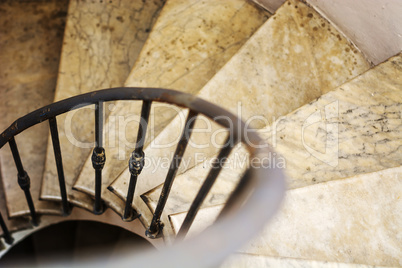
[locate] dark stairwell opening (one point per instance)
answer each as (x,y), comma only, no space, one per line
(73,242)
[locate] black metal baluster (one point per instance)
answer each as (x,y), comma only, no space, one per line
(59,164)
(23,180)
(136,162)
(205,188)
(98,157)
(156,226)
(6,233)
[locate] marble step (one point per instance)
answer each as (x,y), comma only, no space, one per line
(249,260)
(189,43)
(353,220)
(102,40)
(294,57)
(31,36)
(358,125)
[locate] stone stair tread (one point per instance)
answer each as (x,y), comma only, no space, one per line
(30,39)
(249,260)
(335,221)
(101,43)
(190,42)
(270,75)
(364,105)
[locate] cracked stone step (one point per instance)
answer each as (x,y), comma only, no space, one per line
(360,133)
(31,37)
(101,43)
(335,221)
(295,57)
(190,42)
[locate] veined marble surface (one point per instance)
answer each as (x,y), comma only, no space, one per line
(354,129)
(294,57)
(358,126)
(353,220)
(241,260)
(190,42)
(31,36)
(101,42)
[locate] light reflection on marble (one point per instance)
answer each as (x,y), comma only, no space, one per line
(101,43)
(352,220)
(190,42)
(31,35)
(292,59)
(363,134)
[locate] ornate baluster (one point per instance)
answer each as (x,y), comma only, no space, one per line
(23,180)
(156,226)
(136,162)
(6,233)
(98,157)
(205,188)
(59,164)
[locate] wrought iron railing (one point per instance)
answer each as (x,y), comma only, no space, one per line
(257,195)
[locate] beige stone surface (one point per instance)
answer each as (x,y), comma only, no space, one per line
(189,43)
(351,130)
(294,57)
(30,42)
(353,220)
(101,43)
(241,260)
(354,129)
(357,220)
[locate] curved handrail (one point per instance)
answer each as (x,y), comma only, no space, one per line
(114,94)
(260,190)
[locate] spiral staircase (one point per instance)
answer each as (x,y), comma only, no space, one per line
(94,132)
